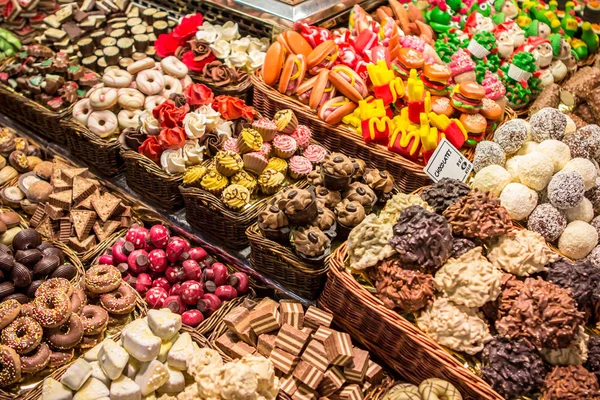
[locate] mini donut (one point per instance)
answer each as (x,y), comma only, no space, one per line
(403,391)
(87,342)
(10,366)
(37,360)
(76,302)
(185,82)
(103,123)
(52,309)
(172,85)
(117,320)
(68,335)
(117,78)
(27,310)
(55,284)
(153,101)
(438,389)
(120,302)
(172,66)
(141,65)
(129,118)
(102,278)
(23,335)
(94,319)
(131,99)
(60,358)
(150,82)
(103,98)
(9,311)
(82,110)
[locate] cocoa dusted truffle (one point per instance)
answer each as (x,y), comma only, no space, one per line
(423,239)
(460,246)
(593,195)
(488,153)
(548,221)
(444,193)
(404,289)
(581,277)
(478,215)
(566,189)
(584,142)
(570,382)
(593,361)
(548,123)
(512,368)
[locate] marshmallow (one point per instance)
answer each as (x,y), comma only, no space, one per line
(99,374)
(125,389)
(175,383)
(132,368)
(164,324)
(113,359)
(181,351)
(77,374)
(92,354)
(54,390)
(92,390)
(152,376)
(140,342)
(165,347)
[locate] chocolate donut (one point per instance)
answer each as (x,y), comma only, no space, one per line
(87,342)
(9,310)
(36,361)
(23,335)
(10,366)
(78,299)
(102,278)
(60,358)
(52,309)
(55,284)
(67,335)
(27,310)
(94,319)
(121,301)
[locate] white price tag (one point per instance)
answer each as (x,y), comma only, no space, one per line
(448,162)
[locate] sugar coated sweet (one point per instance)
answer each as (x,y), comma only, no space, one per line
(586,169)
(512,166)
(548,221)
(535,170)
(578,240)
(548,123)
(488,153)
(528,147)
(492,178)
(511,135)
(557,151)
(518,200)
(566,189)
(584,211)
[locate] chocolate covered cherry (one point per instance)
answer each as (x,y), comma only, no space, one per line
(226,292)
(240,282)
(174,274)
(175,290)
(159,236)
(155,297)
(216,273)
(106,259)
(121,251)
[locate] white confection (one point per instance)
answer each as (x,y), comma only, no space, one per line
(586,169)
(125,389)
(76,375)
(113,359)
(535,170)
(577,240)
(92,390)
(519,200)
(527,148)
(512,166)
(152,376)
(151,396)
(492,178)
(140,342)
(203,358)
(165,347)
(54,390)
(584,211)
(175,383)
(571,127)
(265,373)
(557,151)
(181,351)
(132,368)
(164,323)
(92,354)
(98,373)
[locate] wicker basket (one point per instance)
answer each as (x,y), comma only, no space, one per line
(242,91)
(399,343)
(100,154)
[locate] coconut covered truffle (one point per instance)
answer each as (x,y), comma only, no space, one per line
(535,170)
(557,151)
(368,243)
(575,354)
(548,123)
(523,253)
(528,147)
(570,382)
(444,193)
(511,135)
(594,257)
(488,153)
(581,278)
(585,168)
(512,166)
(593,195)
(565,190)
(422,238)
(577,240)
(584,142)
(593,360)
(492,178)
(584,211)
(548,221)
(470,280)
(512,368)
(518,200)
(403,289)
(456,327)
(543,313)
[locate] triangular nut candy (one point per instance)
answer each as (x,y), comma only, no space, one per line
(61,199)
(45,227)
(106,205)
(83,221)
(82,188)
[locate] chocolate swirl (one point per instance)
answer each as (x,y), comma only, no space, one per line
(213,142)
(133,137)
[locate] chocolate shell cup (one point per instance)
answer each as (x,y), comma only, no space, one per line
(303,217)
(320,260)
(281,235)
(332,232)
(333,182)
(343,231)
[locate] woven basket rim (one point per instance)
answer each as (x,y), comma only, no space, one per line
(149,165)
(245,215)
(34,104)
(82,130)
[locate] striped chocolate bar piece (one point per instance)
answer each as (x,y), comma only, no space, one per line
(226,341)
(241,349)
(339,348)
(238,321)
(308,374)
(304,393)
(374,373)
(291,339)
(266,344)
(350,392)
(265,319)
(356,370)
(322,333)
(289,384)
(314,318)
(316,355)
(292,313)
(284,362)
(333,380)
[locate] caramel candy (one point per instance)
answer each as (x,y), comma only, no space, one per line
(238,321)
(226,341)
(374,373)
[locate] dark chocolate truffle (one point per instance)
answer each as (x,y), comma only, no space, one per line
(548,221)
(581,277)
(593,360)
(460,246)
(444,192)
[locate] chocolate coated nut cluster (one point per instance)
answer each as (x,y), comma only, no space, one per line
(444,193)
(401,288)
(570,382)
(581,277)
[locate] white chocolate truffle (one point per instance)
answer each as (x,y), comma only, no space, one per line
(125,389)
(140,342)
(492,179)
(575,354)
(577,240)
(557,151)
(181,351)
(522,253)
(512,166)
(535,170)
(152,376)
(584,211)
(586,169)
(54,390)
(76,375)
(93,389)
(528,147)
(518,200)
(164,323)
(112,359)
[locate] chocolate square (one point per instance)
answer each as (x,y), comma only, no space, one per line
(315,317)
(374,373)
(292,313)
(316,355)
(356,369)
(333,380)
(226,341)
(241,349)
(266,344)
(339,348)
(238,321)
(291,339)
(289,384)
(264,319)
(308,374)
(322,333)
(282,361)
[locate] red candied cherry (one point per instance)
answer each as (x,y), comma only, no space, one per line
(162,282)
(174,274)
(121,251)
(240,282)
(192,270)
(106,259)
(137,236)
(157,260)
(176,248)
(143,283)
(175,290)
(197,253)
(159,236)
(192,318)
(155,297)
(191,292)
(226,292)
(138,261)
(208,304)
(175,304)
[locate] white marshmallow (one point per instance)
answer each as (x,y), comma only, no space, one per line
(76,375)
(92,390)
(164,324)
(113,359)
(54,390)
(125,389)
(92,354)
(181,351)
(165,347)
(175,383)
(99,374)
(140,342)
(152,376)
(132,368)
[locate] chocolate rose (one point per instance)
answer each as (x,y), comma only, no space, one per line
(178,98)
(201,49)
(220,74)
(133,138)
(213,142)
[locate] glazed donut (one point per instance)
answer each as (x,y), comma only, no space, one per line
(129,118)
(60,358)
(120,302)
(10,366)
(172,66)
(117,78)
(37,360)
(186,81)
(150,82)
(103,123)
(67,335)
(9,310)
(82,110)
(438,389)
(94,319)
(153,101)
(23,335)
(52,309)
(141,65)
(403,391)
(172,85)
(102,278)
(87,342)
(103,98)
(76,302)
(52,284)
(131,99)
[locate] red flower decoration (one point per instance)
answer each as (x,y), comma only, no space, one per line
(151,149)
(171,138)
(198,94)
(194,63)
(188,27)
(166,45)
(169,115)
(232,108)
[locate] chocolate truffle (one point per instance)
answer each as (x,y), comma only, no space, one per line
(460,246)
(535,170)
(593,195)
(593,360)
(444,192)
(581,277)
(404,289)
(577,240)
(492,178)
(570,382)
(548,123)
(512,367)
(565,190)
(586,169)
(327,198)
(488,153)
(584,211)
(311,243)
(422,239)
(511,289)
(518,200)
(548,221)
(349,213)
(362,194)
(511,135)
(557,151)
(584,142)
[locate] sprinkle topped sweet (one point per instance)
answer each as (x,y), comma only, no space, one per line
(548,221)
(488,153)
